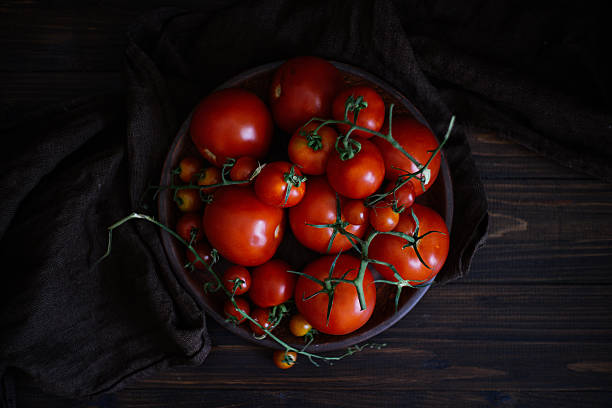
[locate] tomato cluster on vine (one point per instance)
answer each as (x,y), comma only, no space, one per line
(346,189)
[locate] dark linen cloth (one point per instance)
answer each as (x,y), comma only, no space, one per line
(78,167)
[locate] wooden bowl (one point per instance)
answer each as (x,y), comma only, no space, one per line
(439,197)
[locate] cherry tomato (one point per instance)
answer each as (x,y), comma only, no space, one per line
(209,176)
(231,311)
(403,196)
(188,224)
(188,200)
(355,211)
(188,167)
(319,207)
(370,117)
(419,142)
(272,183)
(244,230)
(284,359)
(433,248)
(232,277)
(359,176)
(231,123)
(299,326)
(261,316)
(383,218)
(204,251)
(311,152)
(243,168)
(301,88)
(346,315)
(272,284)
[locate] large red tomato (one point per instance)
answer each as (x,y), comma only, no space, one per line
(359,176)
(301,88)
(419,142)
(433,248)
(272,284)
(346,315)
(319,207)
(244,230)
(371,117)
(231,123)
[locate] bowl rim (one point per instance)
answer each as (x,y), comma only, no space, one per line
(189,285)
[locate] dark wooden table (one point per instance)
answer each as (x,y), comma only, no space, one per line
(530,326)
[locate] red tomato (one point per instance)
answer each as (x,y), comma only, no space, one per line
(299,326)
(346,315)
(243,168)
(284,359)
(371,117)
(188,167)
(261,316)
(231,123)
(190,223)
(244,230)
(433,248)
(204,251)
(355,211)
(319,207)
(311,153)
(359,176)
(301,88)
(418,141)
(272,183)
(403,196)
(383,218)
(272,284)
(188,200)
(231,311)
(209,176)
(239,275)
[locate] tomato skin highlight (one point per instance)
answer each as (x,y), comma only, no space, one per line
(272,284)
(359,176)
(231,123)
(372,117)
(346,315)
(284,360)
(319,207)
(433,248)
(271,186)
(236,272)
(244,230)
(417,140)
(301,88)
(187,223)
(310,161)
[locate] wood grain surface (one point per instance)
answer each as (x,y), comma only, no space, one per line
(529,327)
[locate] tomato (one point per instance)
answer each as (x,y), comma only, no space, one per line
(188,224)
(346,315)
(188,200)
(403,196)
(311,152)
(204,251)
(244,230)
(355,211)
(284,359)
(383,218)
(231,123)
(232,313)
(209,176)
(238,277)
(419,142)
(272,183)
(319,207)
(371,117)
(188,167)
(359,176)
(299,326)
(301,88)
(272,284)
(243,168)
(261,316)
(433,248)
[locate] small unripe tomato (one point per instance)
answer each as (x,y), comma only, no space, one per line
(299,326)
(188,167)
(188,200)
(284,359)
(210,176)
